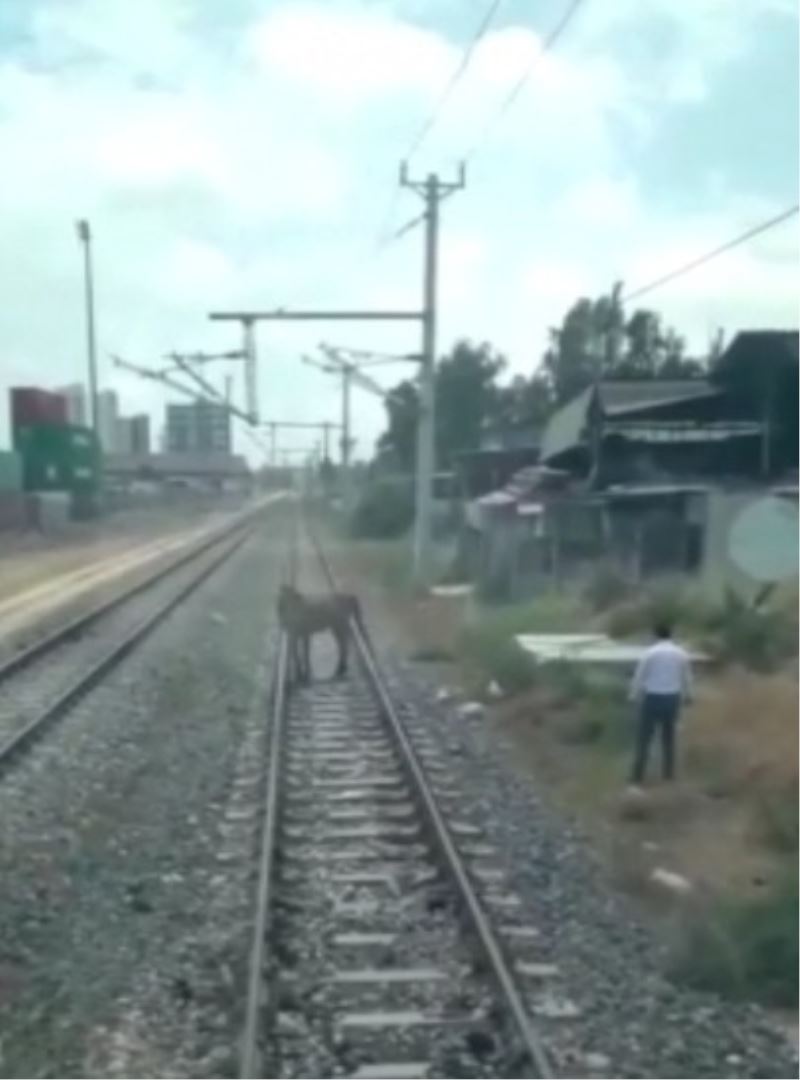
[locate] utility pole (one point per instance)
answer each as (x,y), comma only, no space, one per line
(248,319)
(272,426)
(85,237)
(206,393)
(433,191)
(251,368)
(187,364)
(337,366)
(347,376)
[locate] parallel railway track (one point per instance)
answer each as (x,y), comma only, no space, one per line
(383,934)
(42,682)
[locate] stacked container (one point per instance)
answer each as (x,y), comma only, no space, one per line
(30,406)
(56,456)
(10,471)
(61,457)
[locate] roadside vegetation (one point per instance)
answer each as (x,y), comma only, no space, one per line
(729,825)
(384,510)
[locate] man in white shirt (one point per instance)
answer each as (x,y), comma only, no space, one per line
(661,684)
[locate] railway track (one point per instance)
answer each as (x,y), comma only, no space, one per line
(383,934)
(41,683)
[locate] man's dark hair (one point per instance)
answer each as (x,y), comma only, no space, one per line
(663,629)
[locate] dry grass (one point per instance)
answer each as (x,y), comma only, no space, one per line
(741,737)
(729,824)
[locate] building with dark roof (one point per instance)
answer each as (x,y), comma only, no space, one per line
(740,422)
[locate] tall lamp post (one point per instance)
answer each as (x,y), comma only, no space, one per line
(85,237)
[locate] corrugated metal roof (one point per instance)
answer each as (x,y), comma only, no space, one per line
(565,427)
(627,395)
(637,491)
(764,343)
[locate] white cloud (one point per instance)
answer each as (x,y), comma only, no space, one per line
(160,141)
(258,173)
(355,54)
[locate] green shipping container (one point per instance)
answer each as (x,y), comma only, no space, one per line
(58,457)
(10,471)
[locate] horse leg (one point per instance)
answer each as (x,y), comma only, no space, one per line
(307,658)
(341,641)
(291,663)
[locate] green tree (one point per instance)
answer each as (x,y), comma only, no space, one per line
(466,398)
(523,403)
(397,445)
(574,351)
(652,351)
(582,348)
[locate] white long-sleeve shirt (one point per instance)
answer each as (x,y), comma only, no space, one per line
(664,669)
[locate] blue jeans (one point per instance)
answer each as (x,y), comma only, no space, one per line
(658,712)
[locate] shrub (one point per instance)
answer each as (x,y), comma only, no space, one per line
(745,949)
(497,656)
(432,654)
(758,635)
(777,816)
(598,701)
(385,510)
(606,586)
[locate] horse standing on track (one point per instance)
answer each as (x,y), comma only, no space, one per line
(304,616)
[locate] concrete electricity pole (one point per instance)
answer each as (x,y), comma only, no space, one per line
(337,366)
(433,191)
(85,237)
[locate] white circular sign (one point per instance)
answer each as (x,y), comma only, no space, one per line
(763,540)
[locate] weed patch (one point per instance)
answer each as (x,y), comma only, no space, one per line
(744,949)
(432,654)
(489,646)
(760,635)
(776,812)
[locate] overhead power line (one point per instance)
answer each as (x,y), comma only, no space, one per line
(701,260)
(384,237)
(548,43)
(463,64)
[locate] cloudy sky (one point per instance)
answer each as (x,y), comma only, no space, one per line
(235,153)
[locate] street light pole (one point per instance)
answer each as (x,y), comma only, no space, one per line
(85,236)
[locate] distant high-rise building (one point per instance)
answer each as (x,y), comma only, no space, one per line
(203,426)
(132,435)
(140,434)
(75,397)
(123,436)
(107,416)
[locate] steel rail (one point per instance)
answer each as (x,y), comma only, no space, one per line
(256,985)
(479,921)
(257,1001)
(21,740)
(76,626)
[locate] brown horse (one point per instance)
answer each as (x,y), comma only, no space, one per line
(304,616)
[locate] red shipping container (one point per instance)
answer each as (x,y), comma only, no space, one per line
(30,406)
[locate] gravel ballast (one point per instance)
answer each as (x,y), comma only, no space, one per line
(629,1021)
(127,854)
(126,849)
